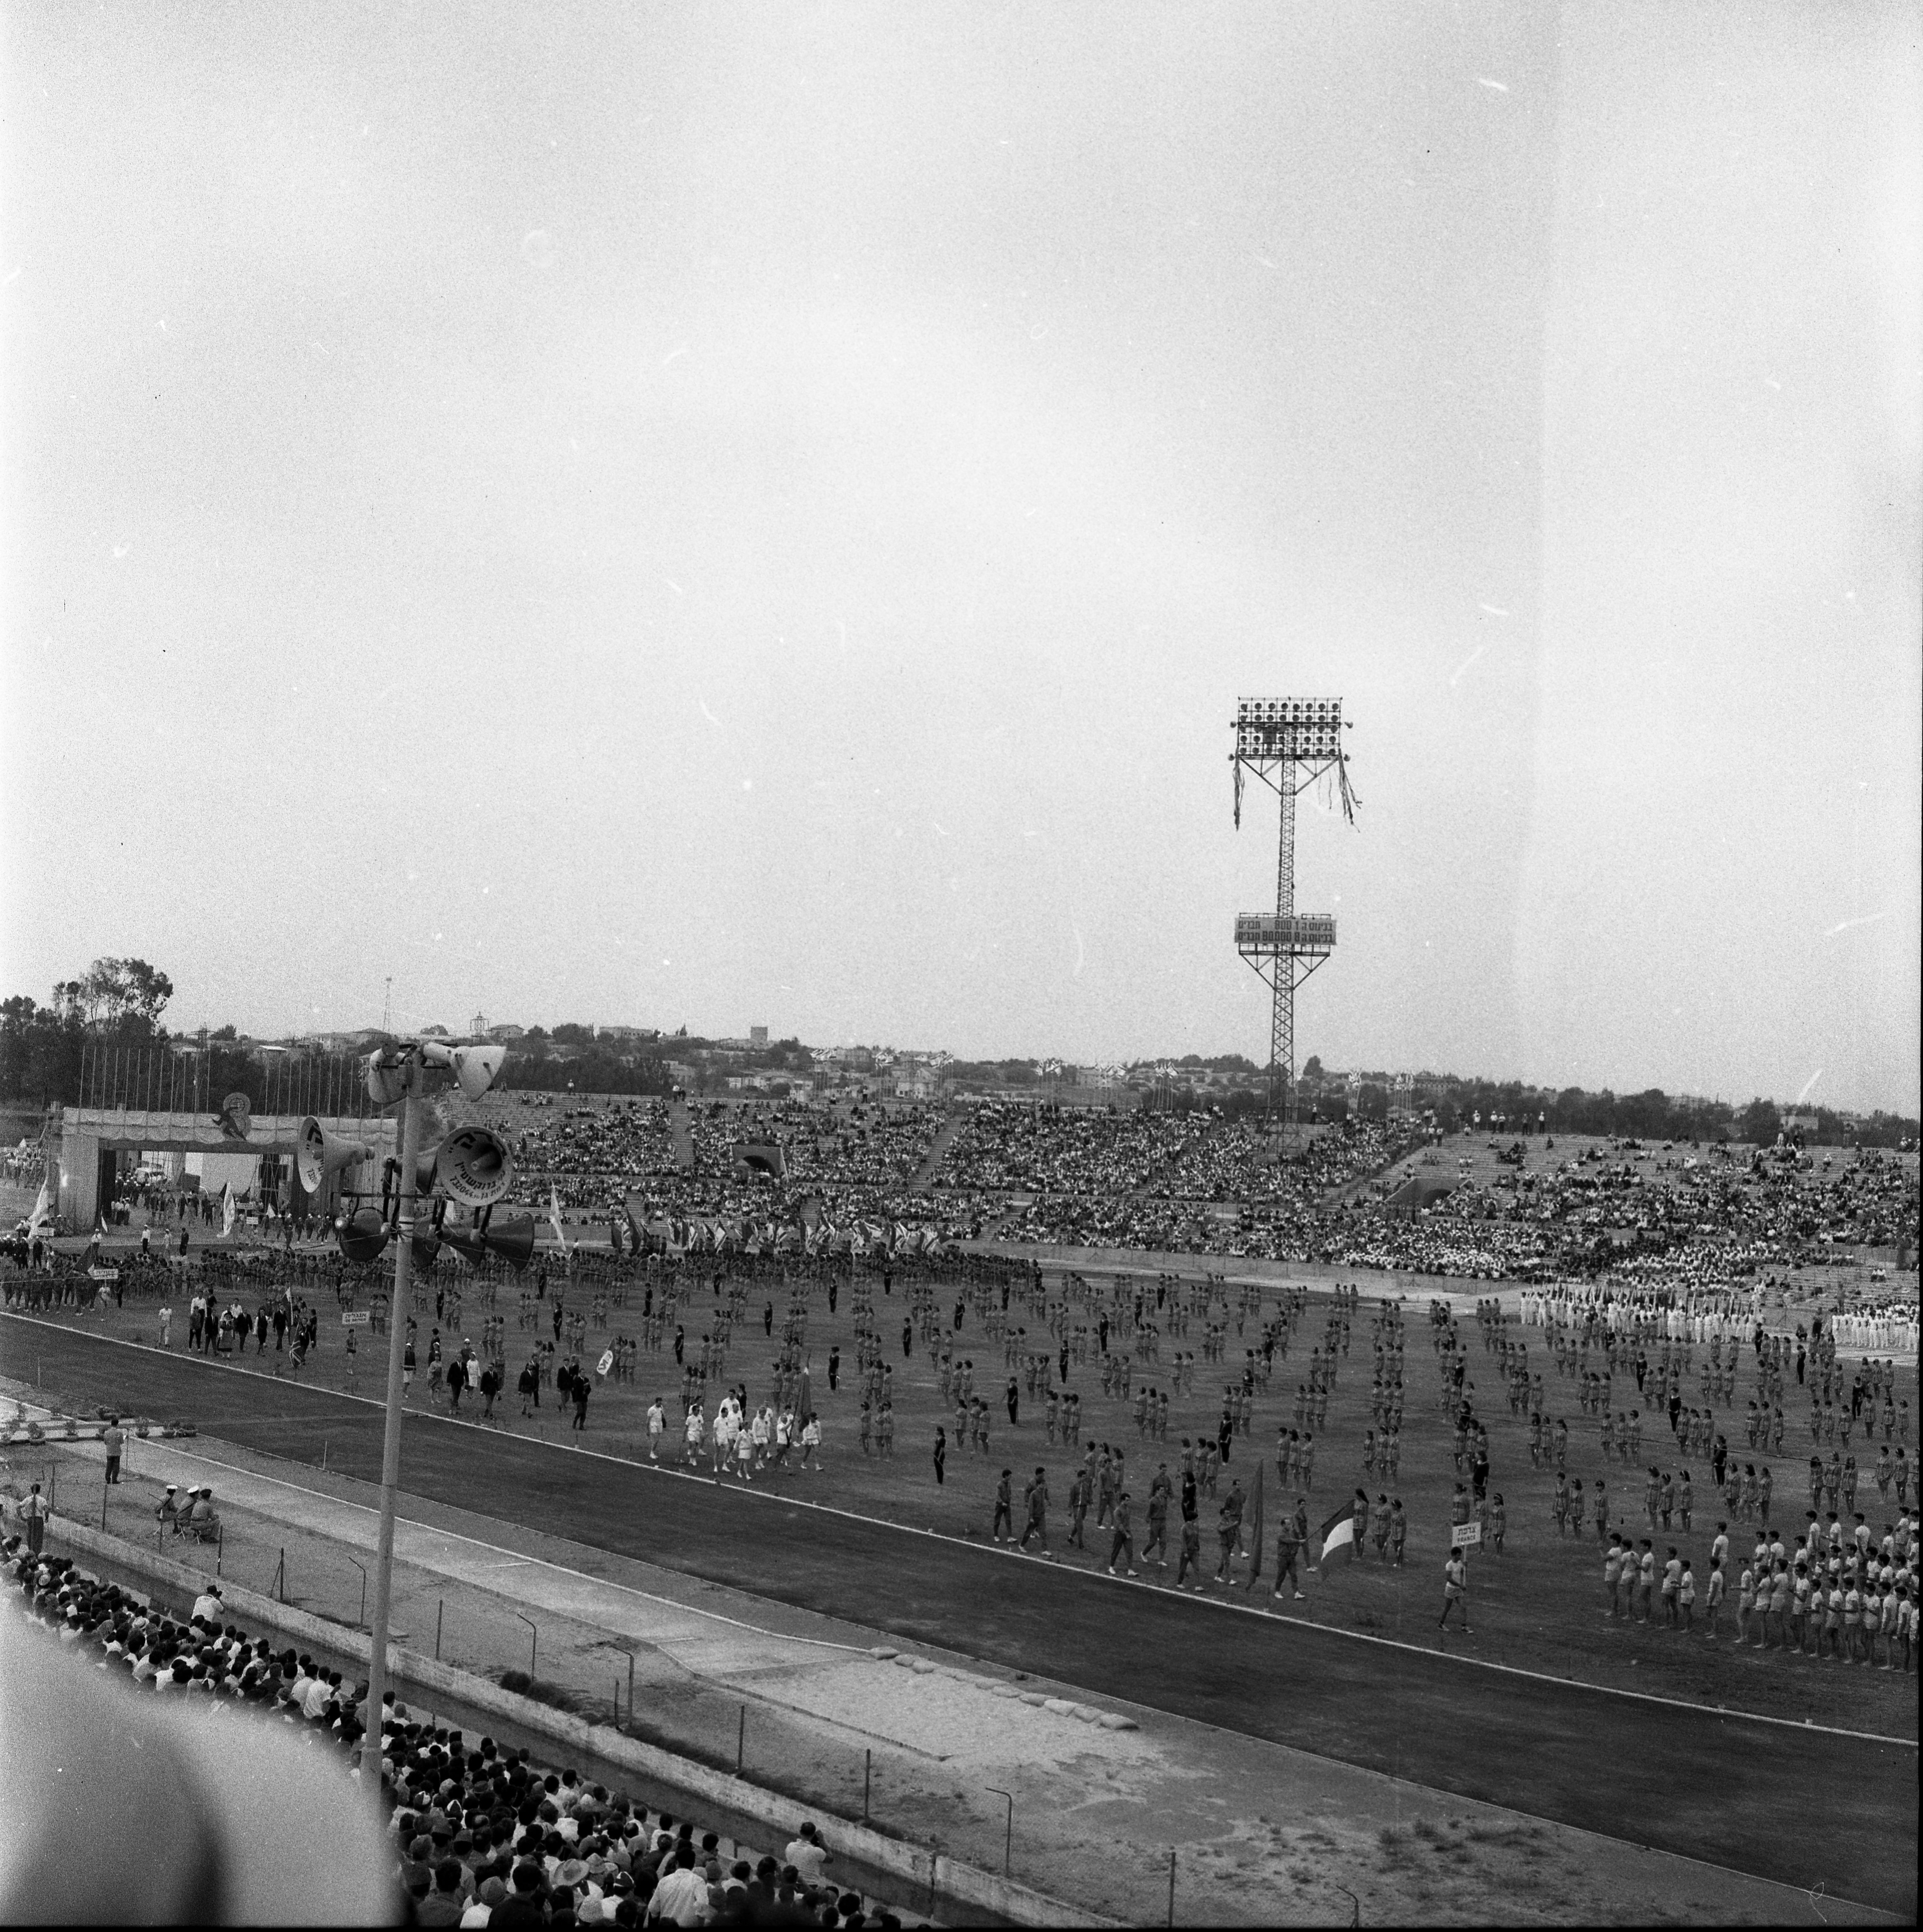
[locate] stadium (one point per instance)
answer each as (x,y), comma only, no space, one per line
(698,1227)
(605,1575)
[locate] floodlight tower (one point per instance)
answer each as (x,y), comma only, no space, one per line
(1288,743)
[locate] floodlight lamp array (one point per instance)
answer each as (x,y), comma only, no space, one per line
(1308,729)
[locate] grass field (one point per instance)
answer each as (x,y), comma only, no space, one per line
(1539,1606)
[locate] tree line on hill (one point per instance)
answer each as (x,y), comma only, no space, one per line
(1650,1115)
(116,1005)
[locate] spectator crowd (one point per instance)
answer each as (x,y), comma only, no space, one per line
(480,1834)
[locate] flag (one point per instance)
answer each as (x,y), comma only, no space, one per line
(607,1362)
(228,1208)
(554,1216)
(43,1212)
(1254,1520)
(1338,1533)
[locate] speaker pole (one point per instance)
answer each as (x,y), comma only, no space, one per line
(407,1145)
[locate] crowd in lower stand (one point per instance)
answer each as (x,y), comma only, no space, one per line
(482,1835)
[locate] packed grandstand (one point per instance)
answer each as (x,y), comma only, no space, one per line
(1202,1183)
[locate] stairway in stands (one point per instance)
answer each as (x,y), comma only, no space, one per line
(684,1140)
(937,1151)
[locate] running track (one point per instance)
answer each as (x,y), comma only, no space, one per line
(1805,1808)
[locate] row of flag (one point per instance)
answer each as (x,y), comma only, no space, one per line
(811,1234)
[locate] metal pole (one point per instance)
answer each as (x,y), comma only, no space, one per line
(1008,1839)
(534,1645)
(1172,1885)
(103,1489)
(1281,1023)
(631,1687)
(407,1134)
(740,1740)
(867,1781)
(440,1604)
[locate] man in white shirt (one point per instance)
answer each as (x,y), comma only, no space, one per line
(207,1606)
(682,1897)
(808,1855)
(320,1693)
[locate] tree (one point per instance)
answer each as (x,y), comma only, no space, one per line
(39,1050)
(117,992)
(1759,1123)
(1312,1067)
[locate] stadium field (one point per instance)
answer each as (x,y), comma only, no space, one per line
(1721,1785)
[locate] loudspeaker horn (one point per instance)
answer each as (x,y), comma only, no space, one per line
(472,1166)
(362,1235)
(511,1240)
(318,1154)
(476,1068)
(387,1075)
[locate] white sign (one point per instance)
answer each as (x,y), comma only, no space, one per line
(103,1274)
(355,1317)
(1465,1536)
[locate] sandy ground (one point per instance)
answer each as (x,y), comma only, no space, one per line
(1257,1832)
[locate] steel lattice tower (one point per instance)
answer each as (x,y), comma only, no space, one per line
(1288,743)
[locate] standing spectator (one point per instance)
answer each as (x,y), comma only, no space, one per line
(808,1855)
(35,1511)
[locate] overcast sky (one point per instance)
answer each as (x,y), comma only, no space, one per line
(728,515)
